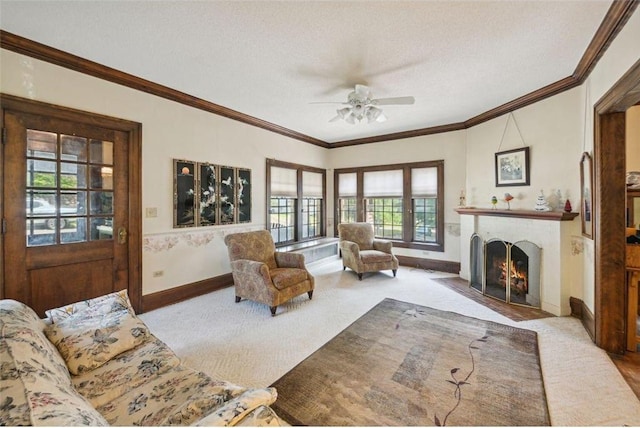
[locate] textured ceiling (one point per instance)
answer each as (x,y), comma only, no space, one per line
(272,59)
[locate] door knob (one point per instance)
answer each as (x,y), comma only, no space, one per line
(122,235)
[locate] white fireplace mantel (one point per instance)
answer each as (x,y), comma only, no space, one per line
(550,230)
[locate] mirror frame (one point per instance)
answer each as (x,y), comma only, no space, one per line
(586,195)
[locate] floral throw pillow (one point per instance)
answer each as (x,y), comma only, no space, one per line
(109,302)
(89,338)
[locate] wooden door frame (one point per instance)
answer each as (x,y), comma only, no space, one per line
(610,201)
(134,133)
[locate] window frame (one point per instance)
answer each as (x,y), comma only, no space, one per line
(299,205)
(407,197)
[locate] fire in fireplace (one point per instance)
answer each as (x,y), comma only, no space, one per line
(506,271)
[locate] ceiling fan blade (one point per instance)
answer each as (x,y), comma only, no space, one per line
(335,119)
(393,101)
(327,102)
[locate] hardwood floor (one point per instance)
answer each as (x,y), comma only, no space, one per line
(514,312)
(628,364)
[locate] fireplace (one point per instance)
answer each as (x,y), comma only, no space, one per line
(551,274)
(506,271)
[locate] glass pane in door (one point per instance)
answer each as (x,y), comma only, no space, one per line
(69,192)
(101,152)
(73,148)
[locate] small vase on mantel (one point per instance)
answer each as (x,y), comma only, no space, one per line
(541,203)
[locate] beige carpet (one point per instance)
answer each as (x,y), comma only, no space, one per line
(242,343)
(403,364)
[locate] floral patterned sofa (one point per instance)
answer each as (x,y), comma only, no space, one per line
(95,363)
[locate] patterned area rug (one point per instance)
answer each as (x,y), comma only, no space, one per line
(405,364)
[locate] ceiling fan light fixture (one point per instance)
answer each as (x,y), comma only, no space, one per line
(374,114)
(362,105)
(350,119)
(344,112)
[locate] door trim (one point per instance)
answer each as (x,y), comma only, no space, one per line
(134,134)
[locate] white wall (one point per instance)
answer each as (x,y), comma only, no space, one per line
(552,129)
(169,130)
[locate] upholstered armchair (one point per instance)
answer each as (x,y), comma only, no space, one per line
(262,274)
(361,252)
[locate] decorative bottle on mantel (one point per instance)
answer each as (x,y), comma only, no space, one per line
(541,203)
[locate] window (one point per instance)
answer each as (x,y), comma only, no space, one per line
(404,202)
(312,190)
(347,210)
(347,191)
(424,197)
(311,216)
(282,206)
(295,195)
(384,204)
(69,190)
(282,213)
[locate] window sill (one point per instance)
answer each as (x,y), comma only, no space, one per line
(418,245)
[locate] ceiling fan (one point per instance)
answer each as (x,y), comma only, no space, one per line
(361,105)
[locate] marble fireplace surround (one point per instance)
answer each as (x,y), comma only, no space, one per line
(552,231)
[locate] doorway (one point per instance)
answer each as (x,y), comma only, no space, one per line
(611,298)
(70,205)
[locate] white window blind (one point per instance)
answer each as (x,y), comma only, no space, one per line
(284,182)
(311,184)
(383,183)
(424,182)
(347,185)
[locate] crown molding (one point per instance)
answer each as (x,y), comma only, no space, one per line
(400,135)
(525,100)
(615,19)
(55,56)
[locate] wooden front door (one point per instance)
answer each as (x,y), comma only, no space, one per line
(67,206)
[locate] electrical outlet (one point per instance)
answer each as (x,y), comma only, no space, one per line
(151,212)
(158,273)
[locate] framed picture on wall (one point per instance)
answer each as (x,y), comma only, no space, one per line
(512,167)
(244,195)
(586,194)
(208,194)
(227,194)
(184,200)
